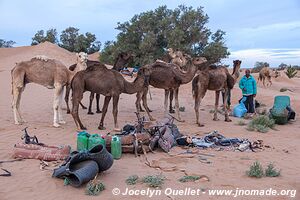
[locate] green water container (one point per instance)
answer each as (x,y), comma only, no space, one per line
(82,140)
(95,140)
(116,147)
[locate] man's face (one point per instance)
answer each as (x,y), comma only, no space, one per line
(247,73)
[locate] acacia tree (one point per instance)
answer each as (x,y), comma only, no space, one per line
(259,65)
(42,36)
(150,33)
(73,41)
(6,44)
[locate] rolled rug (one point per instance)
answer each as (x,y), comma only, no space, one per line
(33,151)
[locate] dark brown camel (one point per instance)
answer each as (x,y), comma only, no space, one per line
(216,78)
(89,63)
(169,77)
(109,83)
(122,61)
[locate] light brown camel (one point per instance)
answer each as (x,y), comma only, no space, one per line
(169,77)
(216,78)
(47,72)
(122,61)
(109,83)
(267,73)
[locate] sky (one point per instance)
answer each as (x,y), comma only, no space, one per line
(256,30)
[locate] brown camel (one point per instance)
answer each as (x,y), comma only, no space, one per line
(169,77)
(47,72)
(122,60)
(267,73)
(177,58)
(90,64)
(216,78)
(109,83)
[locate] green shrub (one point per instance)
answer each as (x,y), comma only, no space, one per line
(291,72)
(261,124)
(154,180)
(94,187)
(188,178)
(283,89)
(271,171)
(256,170)
(132,180)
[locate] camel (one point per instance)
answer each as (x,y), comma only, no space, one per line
(267,73)
(109,83)
(169,77)
(216,78)
(90,64)
(122,60)
(50,73)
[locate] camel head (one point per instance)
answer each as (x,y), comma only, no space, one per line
(198,61)
(82,57)
(236,69)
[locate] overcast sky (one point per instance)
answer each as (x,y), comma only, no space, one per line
(256,30)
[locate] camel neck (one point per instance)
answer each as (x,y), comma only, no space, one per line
(135,86)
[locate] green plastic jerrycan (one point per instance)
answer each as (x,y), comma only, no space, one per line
(82,140)
(116,147)
(95,140)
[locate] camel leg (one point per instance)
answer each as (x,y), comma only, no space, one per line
(115,113)
(98,103)
(57,96)
(171,110)
(60,115)
(76,98)
(226,107)
(167,92)
(145,104)
(198,99)
(104,110)
(16,104)
(216,106)
(91,102)
(177,105)
(138,102)
(68,88)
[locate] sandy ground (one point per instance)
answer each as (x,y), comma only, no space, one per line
(227,168)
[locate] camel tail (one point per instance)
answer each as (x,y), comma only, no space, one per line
(230,81)
(195,87)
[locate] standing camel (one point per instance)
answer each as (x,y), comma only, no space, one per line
(169,77)
(109,83)
(216,79)
(47,72)
(267,73)
(90,64)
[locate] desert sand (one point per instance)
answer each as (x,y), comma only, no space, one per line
(226,170)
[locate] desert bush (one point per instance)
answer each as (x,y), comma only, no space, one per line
(154,180)
(132,180)
(271,171)
(291,72)
(261,124)
(256,170)
(188,178)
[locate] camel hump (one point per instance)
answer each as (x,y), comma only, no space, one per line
(41,57)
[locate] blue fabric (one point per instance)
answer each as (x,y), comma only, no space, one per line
(240,109)
(248,85)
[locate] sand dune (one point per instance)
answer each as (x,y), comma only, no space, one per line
(226,171)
